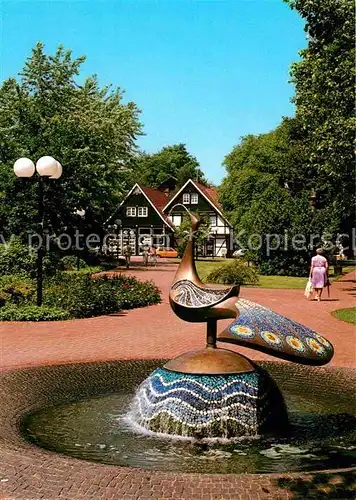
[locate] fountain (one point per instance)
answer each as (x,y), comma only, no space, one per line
(215,392)
(283,419)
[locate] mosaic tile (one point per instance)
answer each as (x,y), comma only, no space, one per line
(261,328)
(206,405)
(190,295)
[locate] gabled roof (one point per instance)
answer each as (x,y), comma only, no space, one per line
(155,197)
(210,194)
(158,200)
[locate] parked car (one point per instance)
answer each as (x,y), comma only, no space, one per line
(166,252)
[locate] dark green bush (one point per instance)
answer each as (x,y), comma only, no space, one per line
(32,313)
(84,296)
(15,289)
(285,266)
(74,295)
(235,272)
(15,257)
(133,293)
(71,262)
(18,258)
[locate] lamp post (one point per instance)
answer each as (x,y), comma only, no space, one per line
(80,212)
(46,167)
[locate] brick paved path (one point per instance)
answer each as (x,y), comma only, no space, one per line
(155,332)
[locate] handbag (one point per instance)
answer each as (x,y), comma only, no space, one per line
(308,288)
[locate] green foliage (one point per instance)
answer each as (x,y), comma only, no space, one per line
(87,128)
(234,272)
(300,177)
(84,296)
(182,233)
(285,264)
(18,258)
(324,82)
(15,257)
(171,161)
(71,262)
(73,295)
(348,314)
(15,289)
(32,313)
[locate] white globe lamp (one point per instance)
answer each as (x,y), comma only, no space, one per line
(24,167)
(58,173)
(47,166)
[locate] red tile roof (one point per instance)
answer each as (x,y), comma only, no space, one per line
(211,193)
(159,200)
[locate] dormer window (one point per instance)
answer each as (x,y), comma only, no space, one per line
(142,212)
(131,211)
(194,198)
(186,198)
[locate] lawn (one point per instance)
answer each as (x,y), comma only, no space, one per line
(348,315)
(204,267)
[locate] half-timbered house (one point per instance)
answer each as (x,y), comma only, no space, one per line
(150,216)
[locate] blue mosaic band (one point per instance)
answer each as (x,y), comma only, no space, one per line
(206,405)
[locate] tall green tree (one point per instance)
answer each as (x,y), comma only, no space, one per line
(171,161)
(265,193)
(324,80)
(89,129)
(300,177)
(275,159)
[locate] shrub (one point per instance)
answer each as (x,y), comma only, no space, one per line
(285,266)
(133,293)
(84,296)
(73,294)
(235,272)
(18,258)
(15,257)
(71,262)
(15,289)
(32,313)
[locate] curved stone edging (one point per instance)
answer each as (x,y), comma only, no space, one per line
(29,472)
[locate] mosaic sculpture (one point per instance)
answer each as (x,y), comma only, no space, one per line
(215,392)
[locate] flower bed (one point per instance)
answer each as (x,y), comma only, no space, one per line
(74,295)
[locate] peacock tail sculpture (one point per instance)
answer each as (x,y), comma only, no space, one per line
(216,392)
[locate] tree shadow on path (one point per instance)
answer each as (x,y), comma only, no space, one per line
(321,486)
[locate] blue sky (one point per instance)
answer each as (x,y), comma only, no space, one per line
(203,72)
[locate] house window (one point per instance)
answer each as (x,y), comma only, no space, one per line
(131,211)
(194,198)
(186,198)
(142,212)
(213,220)
(176,219)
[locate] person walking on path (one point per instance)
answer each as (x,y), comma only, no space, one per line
(145,252)
(127,251)
(153,256)
(319,273)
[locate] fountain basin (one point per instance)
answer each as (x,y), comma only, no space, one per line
(91,423)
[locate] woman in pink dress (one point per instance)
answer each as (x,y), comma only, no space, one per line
(319,273)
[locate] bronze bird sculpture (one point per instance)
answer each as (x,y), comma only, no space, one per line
(196,302)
